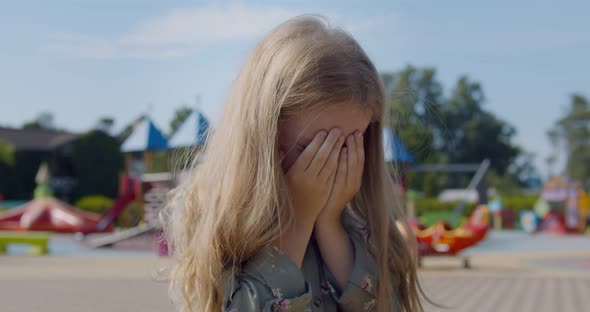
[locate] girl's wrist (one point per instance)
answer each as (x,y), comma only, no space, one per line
(328,220)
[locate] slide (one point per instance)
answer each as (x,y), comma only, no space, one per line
(109,217)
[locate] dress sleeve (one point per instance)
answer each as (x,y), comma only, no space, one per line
(360,292)
(270,281)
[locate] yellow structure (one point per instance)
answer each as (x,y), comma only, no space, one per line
(38,241)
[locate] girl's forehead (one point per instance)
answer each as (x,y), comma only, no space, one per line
(304,126)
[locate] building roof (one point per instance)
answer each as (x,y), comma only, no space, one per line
(36,139)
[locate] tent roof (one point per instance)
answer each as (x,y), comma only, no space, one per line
(192,131)
(394,150)
(145,136)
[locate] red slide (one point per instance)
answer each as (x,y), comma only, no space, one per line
(109,217)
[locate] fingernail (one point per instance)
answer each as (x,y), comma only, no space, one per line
(336,131)
(358,133)
(322,133)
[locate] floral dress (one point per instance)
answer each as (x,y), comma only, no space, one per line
(271,282)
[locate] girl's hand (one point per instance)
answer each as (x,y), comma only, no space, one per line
(309,180)
(311,177)
(347,181)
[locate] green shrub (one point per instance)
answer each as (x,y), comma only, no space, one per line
(519,203)
(427,205)
(131,216)
(431,210)
(94,203)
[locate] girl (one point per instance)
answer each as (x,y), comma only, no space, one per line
(291,207)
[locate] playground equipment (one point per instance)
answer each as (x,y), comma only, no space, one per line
(193,132)
(53,215)
(441,239)
(37,241)
(564,207)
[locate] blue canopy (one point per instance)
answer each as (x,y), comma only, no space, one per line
(145,136)
(394,150)
(192,131)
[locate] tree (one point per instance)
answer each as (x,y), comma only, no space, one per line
(574,131)
(443,130)
(180,116)
(474,133)
(6,153)
(97,161)
(6,167)
(415,100)
(105,124)
(44,120)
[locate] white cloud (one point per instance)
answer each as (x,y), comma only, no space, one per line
(183,32)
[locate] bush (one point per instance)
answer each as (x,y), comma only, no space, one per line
(426,205)
(94,203)
(519,203)
(131,216)
(431,210)
(97,161)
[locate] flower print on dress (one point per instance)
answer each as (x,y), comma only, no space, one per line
(369,305)
(283,304)
(325,288)
(277,292)
(367,283)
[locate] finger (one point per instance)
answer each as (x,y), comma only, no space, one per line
(341,172)
(352,158)
(331,165)
(322,155)
(309,152)
(360,148)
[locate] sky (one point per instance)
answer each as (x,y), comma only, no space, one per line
(82,60)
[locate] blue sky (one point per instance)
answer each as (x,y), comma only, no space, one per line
(82,60)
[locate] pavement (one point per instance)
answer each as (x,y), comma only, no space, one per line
(554,276)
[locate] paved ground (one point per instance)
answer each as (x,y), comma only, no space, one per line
(509,293)
(536,280)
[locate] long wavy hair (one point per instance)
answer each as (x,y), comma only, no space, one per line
(235,199)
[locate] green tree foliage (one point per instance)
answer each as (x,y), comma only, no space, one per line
(6,154)
(97,162)
(573,130)
(180,116)
(44,120)
(17,181)
(439,129)
(105,124)
(94,203)
(475,133)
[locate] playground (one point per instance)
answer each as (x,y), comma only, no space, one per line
(477,256)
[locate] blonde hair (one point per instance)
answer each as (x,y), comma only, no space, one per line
(236,198)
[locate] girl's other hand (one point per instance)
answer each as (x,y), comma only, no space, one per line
(347,181)
(311,177)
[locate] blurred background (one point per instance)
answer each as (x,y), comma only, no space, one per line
(488,123)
